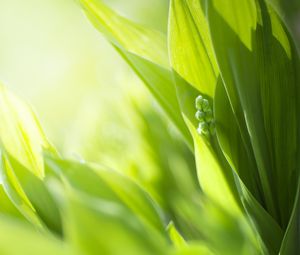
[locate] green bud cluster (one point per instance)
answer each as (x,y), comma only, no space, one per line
(205,117)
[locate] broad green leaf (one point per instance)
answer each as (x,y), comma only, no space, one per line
(15,192)
(7,207)
(219,182)
(108,185)
(35,190)
(257,64)
(126,34)
(239,27)
(192,60)
(220,231)
(94,226)
(20,133)
(269,233)
(216,181)
(236,147)
(17,238)
(241,161)
(237,151)
(291,241)
(145,50)
(21,137)
(190,47)
(175,236)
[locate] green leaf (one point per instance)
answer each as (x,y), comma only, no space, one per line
(234,137)
(216,181)
(94,226)
(23,139)
(236,150)
(291,242)
(17,238)
(37,193)
(220,231)
(7,207)
(20,133)
(190,47)
(108,185)
(269,233)
(193,64)
(16,194)
(257,63)
(126,34)
(241,161)
(175,236)
(146,52)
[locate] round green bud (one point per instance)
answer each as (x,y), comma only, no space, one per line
(198,102)
(200,115)
(203,128)
(205,105)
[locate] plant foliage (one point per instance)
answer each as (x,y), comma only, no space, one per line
(232,63)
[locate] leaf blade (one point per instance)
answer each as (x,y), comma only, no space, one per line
(146,52)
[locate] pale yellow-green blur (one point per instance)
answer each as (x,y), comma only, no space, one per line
(53,57)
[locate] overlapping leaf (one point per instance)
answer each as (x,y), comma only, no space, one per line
(241,149)
(290,243)
(191,51)
(236,153)
(145,50)
(17,238)
(6,206)
(108,185)
(22,141)
(257,63)
(21,134)
(94,224)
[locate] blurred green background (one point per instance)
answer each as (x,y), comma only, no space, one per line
(90,103)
